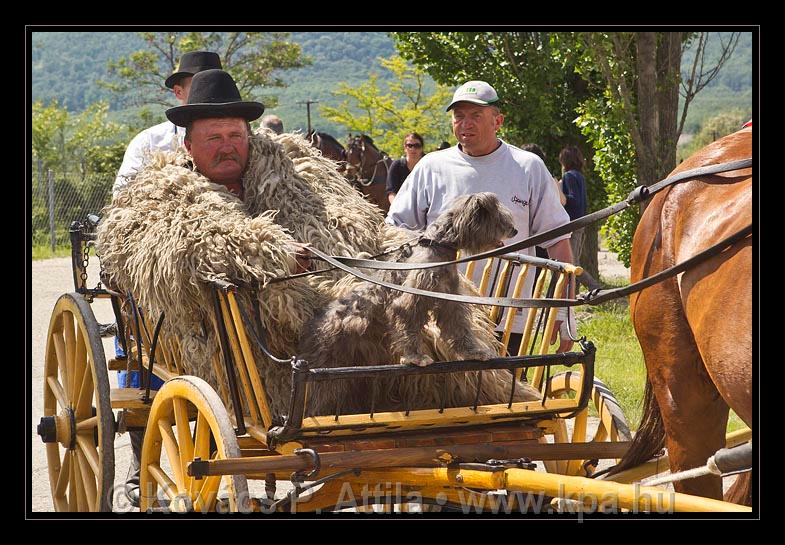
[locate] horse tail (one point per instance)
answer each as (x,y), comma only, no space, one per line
(649,440)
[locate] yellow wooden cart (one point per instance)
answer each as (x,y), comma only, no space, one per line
(199,456)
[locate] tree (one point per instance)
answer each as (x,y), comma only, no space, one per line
(627,100)
(83,143)
(388,116)
(537,84)
(641,74)
(252,58)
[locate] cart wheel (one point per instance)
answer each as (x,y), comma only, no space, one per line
(612,423)
(212,437)
(78,426)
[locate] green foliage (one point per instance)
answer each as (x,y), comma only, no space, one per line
(601,121)
(87,139)
(65,66)
(388,116)
(252,58)
(536,77)
(538,90)
(619,360)
(338,57)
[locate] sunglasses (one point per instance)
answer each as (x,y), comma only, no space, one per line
(415,145)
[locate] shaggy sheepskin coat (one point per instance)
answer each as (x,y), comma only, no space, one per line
(171,231)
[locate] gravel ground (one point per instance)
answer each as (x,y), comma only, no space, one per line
(50,279)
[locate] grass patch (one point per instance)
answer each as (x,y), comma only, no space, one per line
(45,252)
(619,360)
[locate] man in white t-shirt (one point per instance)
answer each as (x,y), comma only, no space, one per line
(164,136)
(483,162)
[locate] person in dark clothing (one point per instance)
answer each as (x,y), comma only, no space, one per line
(574,187)
(573,182)
(413,146)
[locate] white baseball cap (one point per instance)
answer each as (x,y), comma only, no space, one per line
(476,92)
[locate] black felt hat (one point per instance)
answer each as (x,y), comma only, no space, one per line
(192,63)
(213,94)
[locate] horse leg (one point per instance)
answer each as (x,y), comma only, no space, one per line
(724,335)
(724,339)
(693,413)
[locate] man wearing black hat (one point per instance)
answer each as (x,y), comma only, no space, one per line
(217,125)
(166,135)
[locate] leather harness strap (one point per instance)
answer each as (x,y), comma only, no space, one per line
(594,297)
(639,194)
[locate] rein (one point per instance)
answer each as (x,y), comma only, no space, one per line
(637,195)
(595,297)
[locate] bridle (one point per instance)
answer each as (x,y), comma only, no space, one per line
(357,178)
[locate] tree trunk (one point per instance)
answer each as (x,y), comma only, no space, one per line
(669,76)
(648,118)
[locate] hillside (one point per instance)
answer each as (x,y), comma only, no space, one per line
(65,66)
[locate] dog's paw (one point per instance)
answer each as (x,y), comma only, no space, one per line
(416,359)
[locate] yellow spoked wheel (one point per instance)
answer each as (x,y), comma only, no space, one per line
(188,420)
(612,425)
(78,426)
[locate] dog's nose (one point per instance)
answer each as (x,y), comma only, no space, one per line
(514,232)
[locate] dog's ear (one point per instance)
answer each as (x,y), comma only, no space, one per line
(469,214)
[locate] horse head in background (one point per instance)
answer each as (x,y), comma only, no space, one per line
(695,329)
(366,169)
(329,146)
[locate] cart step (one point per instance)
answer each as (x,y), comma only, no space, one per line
(129,398)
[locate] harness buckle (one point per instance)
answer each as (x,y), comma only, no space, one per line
(639,194)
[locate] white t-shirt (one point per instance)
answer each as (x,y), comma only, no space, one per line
(165,136)
(519,178)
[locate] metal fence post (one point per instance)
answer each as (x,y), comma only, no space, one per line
(50,175)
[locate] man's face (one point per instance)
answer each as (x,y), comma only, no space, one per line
(182,88)
(475,127)
(219,147)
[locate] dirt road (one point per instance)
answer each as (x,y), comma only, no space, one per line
(50,279)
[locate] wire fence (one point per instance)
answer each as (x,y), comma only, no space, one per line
(61,196)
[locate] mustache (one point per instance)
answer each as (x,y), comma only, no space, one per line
(233,156)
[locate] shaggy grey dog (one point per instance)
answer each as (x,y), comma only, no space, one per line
(375,325)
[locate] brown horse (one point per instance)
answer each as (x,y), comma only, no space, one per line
(329,146)
(366,169)
(695,329)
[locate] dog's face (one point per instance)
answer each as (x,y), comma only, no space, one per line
(479,222)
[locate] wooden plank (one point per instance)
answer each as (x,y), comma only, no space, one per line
(396,439)
(419,457)
(159,370)
(129,398)
(135,418)
(432,418)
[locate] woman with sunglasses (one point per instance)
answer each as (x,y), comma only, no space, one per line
(413,147)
